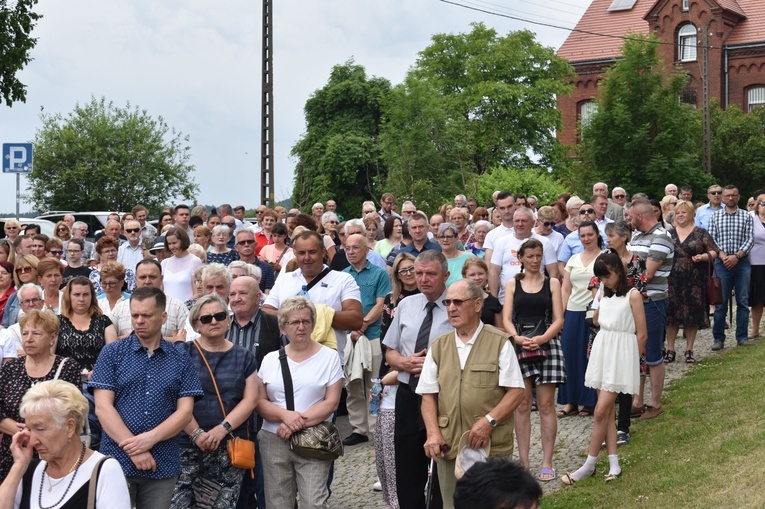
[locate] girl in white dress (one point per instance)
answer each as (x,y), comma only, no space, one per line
(614,364)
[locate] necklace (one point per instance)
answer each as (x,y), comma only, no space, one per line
(54,484)
(77,465)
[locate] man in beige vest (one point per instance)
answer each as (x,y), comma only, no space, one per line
(476,397)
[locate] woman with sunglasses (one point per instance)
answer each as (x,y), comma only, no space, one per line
(62,231)
(107,249)
(228,376)
(25,271)
(448,236)
(220,252)
(392,229)
(12,229)
(403,284)
(54,248)
(546,228)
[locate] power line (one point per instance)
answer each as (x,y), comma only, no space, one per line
(550,25)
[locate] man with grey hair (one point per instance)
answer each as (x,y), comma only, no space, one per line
(69,220)
(613,211)
(131,252)
(419,319)
(670,189)
(460,200)
(215,279)
(408,208)
(30,296)
(374,285)
(450,386)
(80,231)
(340,260)
(505,264)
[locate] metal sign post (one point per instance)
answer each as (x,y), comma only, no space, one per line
(17,158)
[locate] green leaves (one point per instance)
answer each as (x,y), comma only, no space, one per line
(103,157)
(16,23)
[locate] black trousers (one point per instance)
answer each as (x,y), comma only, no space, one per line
(624,412)
(411,462)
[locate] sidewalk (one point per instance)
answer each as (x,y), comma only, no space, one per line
(355,472)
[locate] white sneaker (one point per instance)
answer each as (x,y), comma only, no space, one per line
(377,486)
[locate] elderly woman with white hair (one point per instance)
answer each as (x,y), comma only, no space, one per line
(317,379)
(571,224)
(220,252)
(55,412)
(447,239)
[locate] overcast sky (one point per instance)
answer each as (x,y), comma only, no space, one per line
(198,65)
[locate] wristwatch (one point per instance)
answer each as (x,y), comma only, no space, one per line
(226,426)
(492,421)
(738,256)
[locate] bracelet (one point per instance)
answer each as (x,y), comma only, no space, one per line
(195,435)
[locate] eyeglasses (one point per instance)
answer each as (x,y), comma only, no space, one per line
(446,237)
(11,227)
(762,204)
(407,270)
(30,302)
(74,251)
(298,323)
(109,284)
(63,229)
(715,192)
(109,251)
(586,211)
(548,224)
(332,222)
(56,252)
(230,225)
(132,230)
(245,242)
(25,270)
(456,302)
(207,319)
(620,196)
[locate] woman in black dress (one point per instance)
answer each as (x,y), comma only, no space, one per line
(38,331)
(687,306)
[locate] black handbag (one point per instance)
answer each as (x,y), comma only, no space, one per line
(321,441)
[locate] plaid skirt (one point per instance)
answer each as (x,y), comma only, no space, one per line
(551,371)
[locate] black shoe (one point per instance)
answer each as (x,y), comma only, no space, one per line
(355,439)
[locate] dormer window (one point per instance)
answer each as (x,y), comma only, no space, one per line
(686,43)
(685,5)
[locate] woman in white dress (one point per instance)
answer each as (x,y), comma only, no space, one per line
(614,364)
(178,270)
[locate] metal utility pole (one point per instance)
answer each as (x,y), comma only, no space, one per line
(706,127)
(267,109)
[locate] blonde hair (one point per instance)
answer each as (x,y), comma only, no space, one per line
(61,399)
(688,206)
(295,304)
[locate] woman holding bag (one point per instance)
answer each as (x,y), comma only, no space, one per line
(532,297)
(317,380)
(687,307)
(229,379)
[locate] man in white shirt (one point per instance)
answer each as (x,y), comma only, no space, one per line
(506,207)
(337,290)
(130,253)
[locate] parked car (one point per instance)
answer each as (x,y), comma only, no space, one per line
(46,227)
(95,220)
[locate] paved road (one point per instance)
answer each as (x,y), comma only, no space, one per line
(355,472)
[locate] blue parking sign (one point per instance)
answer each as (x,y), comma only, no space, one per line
(17,158)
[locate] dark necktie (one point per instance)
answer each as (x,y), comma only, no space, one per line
(423,337)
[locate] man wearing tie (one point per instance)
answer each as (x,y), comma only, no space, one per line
(419,319)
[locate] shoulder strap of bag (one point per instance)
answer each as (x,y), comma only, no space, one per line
(282,255)
(60,367)
(94,482)
(548,294)
(318,278)
(215,384)
(289,394)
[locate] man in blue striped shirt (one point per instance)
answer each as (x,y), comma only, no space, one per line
(652,244)
(733,231)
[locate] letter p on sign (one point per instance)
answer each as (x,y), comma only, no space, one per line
(17,158)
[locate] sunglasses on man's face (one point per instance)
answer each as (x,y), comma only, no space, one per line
(132,230)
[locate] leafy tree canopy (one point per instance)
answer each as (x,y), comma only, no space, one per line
(472,102)
(103,157)
(540,183)
(338,157)
(642,136)
(17,19)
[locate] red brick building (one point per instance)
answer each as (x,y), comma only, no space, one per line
(736,31)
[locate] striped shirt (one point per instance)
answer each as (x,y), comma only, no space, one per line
(732,232)
(247,336)
(657,245)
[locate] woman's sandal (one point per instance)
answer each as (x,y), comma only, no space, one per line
(569,481)
(612,477)
(563,413)
(670,356)
(689,357)
(546,474)
(587,411)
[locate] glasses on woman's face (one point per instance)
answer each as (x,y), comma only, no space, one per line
(25,270)
(62,230)
(446,237)
(109,284)
(299,323)
(56,252)
(406,271)
(207,319)
(108,252)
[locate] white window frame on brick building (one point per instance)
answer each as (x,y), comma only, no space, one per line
(687,38)
(755,96)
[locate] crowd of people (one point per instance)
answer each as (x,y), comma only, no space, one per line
(166,348)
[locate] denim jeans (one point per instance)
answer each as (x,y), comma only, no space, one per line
(737,279)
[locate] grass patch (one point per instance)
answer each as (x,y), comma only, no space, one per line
(706,450)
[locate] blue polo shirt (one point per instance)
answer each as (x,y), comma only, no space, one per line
(429,244)
(374,284)
(146,391)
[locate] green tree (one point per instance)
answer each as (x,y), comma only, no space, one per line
(540,183)
(472,102)
(338,157)
(642,136)
(738,148)
(17,19)
(103,157)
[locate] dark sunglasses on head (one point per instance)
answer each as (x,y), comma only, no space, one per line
(586,211)
(219,317)
(132,230)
